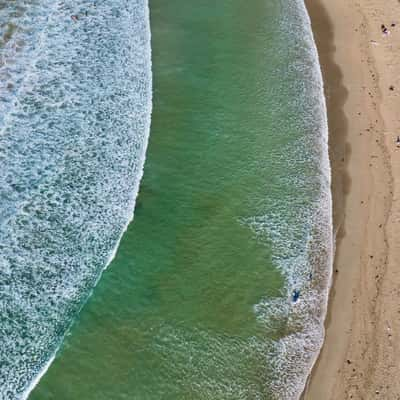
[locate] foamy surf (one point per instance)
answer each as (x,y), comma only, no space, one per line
(36,380)
(307,265)
(75,126)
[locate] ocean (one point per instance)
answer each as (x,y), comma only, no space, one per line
(217,288)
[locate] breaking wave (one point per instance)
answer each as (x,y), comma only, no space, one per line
(74,123)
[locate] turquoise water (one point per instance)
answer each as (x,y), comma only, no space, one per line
(233,212)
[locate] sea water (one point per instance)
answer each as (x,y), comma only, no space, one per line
(233,214)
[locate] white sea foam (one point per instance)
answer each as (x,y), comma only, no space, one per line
(36,380)
(302,241)
(74,131)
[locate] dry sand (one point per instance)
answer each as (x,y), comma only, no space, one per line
(361,355)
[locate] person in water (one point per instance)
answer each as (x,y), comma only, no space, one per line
(295,295)
(398,141)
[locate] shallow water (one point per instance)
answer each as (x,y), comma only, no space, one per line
(233,212)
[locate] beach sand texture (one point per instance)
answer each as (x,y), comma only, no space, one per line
(361,68)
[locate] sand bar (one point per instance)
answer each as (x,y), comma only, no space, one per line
(361,69)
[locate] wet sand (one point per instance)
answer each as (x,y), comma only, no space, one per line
(361,71)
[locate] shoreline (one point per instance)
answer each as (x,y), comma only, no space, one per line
(335,97)
(358,357)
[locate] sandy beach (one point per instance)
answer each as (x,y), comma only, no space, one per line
(361,67)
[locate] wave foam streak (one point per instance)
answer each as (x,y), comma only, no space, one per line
(299,227)
(73,135)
